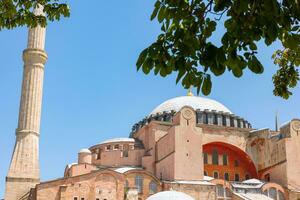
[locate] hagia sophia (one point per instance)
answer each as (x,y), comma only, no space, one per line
(187,148)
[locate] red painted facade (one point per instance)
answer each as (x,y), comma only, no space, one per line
(238,162)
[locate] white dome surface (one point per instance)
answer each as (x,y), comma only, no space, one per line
(193,101)
(117,140)
(85,151)
(170,195)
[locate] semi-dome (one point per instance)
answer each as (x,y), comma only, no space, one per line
(195,102)
(170,195)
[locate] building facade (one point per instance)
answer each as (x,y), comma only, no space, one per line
(186,148)
(188,144)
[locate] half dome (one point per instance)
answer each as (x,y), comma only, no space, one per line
(170,195)
(195,102)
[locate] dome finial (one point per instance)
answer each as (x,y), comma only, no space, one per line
(190,93)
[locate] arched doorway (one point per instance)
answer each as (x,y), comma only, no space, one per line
(225,161)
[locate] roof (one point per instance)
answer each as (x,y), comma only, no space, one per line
(285,124)
(170,195)
(84,151)
(123,170)
(252,196)
(191,182)
(117,140)
(253,181)
(195,102)
(70,165)
(208,178)
(261,129)
(252,184)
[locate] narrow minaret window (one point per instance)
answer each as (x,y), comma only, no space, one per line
(24,171)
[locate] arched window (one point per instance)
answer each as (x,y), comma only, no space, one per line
(273,193)
(220,191)
(224,120)
(247,177)
(215,157)
(236,177)
(225,159)
(152,187)
(215,119)
(267,177)
(216,175)
(281,195)
(205,158)
(226,176)
(139,183)
(205,118)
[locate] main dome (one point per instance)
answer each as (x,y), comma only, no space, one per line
(195,102)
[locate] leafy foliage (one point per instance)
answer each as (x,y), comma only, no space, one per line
(288,75)
(14,13)
(185,46)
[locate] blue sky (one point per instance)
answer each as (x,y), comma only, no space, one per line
(93,92)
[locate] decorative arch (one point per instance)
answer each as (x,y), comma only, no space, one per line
(238,162)
(78,189)
(106,186)
(276,186)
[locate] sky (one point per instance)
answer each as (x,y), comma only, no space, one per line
(93,92)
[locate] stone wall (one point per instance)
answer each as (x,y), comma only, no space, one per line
(197,191)
(104,184)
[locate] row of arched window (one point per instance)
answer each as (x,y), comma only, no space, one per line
(215,159)
(226,176)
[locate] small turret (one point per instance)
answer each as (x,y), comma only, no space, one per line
(85,156)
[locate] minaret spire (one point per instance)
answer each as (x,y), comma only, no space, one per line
(24,171)
(276,122)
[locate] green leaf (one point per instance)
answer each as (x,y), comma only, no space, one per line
(147,65)
(237,72)
(161,14)
(180,74)
(253,46)
(141,58)
(255,66)
(206,87)
(155,11)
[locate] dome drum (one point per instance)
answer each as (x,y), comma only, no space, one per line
(218,118)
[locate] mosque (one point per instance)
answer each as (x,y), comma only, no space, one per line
(187,148)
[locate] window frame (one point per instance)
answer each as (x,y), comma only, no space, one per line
(151,185)
(205,158)
(139,183)
(215,157)
(237,176)
(217,173)
(225,158)
(226,173)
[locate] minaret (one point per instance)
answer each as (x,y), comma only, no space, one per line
(276,122)
(24,170)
